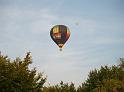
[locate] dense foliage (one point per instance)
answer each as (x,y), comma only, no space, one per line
(107,79)
(62,87)
(15,76)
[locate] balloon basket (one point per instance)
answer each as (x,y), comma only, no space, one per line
(60,49)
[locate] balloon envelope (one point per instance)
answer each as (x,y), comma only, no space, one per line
(60,34)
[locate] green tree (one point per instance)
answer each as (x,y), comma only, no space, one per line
(81,88)
(106,79)
(112,85)
(15,76)
(61,87)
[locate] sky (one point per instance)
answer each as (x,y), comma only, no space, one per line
(97,35)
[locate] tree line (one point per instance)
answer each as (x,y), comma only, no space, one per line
(15,76)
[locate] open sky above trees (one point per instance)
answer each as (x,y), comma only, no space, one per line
(97,35)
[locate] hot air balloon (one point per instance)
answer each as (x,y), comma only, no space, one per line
(60,34)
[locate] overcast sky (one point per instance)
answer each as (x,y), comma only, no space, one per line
(97,35)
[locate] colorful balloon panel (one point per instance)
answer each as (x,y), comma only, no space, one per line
(60,34)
